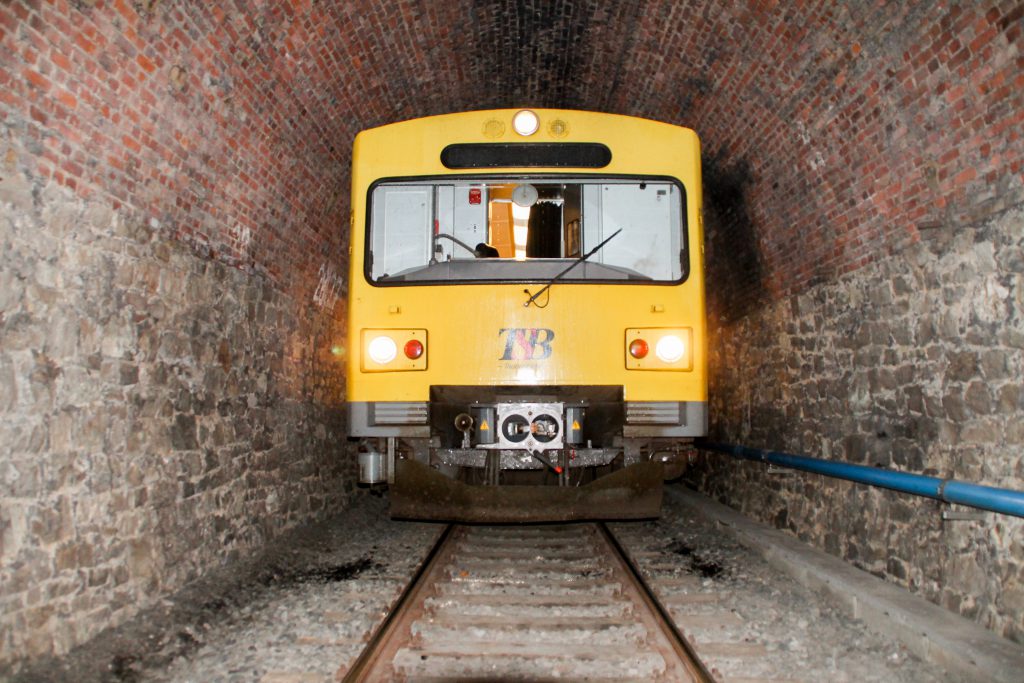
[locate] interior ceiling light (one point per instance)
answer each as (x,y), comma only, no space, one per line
(525,122)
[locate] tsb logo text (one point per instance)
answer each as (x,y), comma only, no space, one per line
(527,343)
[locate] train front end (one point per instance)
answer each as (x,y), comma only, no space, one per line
(526,314)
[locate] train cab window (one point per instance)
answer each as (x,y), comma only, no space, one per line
(463,230)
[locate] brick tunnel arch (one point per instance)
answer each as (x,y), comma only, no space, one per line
(174,194)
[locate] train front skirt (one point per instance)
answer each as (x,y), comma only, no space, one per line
(421,492)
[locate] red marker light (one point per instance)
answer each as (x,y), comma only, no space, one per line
(638,348)
(413,349)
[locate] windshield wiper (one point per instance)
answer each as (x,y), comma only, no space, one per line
(581,259)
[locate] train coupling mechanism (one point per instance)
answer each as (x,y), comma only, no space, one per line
(534,427)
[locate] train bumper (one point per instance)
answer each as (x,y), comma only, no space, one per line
(420,492)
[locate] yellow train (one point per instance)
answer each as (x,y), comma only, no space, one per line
(526,313)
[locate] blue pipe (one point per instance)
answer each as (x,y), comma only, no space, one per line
(1004,501)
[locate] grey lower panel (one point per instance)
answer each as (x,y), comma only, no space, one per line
(521,460)
(388,419)
(644,419)
(666,418)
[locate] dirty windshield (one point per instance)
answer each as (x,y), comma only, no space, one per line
(458,230)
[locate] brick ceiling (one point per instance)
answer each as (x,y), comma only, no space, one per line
(833,133)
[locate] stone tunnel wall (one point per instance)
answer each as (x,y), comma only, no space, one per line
(173,198)
(864,186)
(915,363)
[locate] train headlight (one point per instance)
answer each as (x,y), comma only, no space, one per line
(673,348)
(393,350)
(525,122)
(670,349)
(382,350)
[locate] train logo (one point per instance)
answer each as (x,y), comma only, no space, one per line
(527,343)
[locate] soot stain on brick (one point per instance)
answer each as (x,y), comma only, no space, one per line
(693,89)
(735,265)
(532,51)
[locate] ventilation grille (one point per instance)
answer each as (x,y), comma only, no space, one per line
(654,413)
(399,414)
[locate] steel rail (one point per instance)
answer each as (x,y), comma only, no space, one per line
(1003,501)
(386,640)
(373,650)
(682,647)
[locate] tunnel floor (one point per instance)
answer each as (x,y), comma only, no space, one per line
(304,613)
(756,624)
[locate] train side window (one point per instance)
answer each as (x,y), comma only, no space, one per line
(403,216)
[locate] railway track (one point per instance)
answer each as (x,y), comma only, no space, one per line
(527,603)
